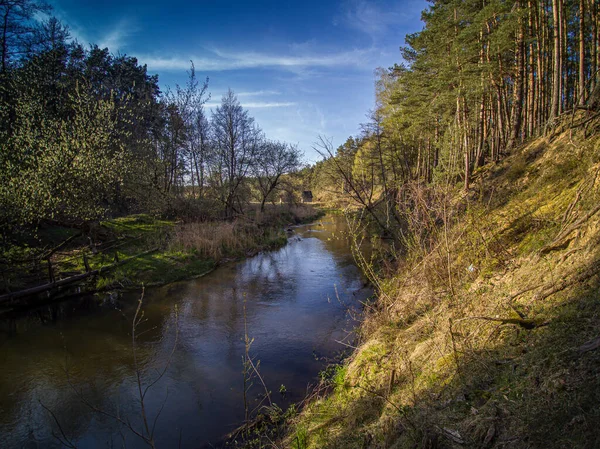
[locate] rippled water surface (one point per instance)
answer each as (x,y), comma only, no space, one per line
(77,355)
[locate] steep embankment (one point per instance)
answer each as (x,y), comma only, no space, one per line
(490,337)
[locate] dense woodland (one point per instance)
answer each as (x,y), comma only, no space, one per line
(86,134)
(478,80)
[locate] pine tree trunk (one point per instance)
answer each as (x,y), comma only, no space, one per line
(581,52)
(517,106)
(557,72)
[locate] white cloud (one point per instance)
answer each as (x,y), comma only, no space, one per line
(223,61)
(268,105)
(255,59)
(255,105)
(373,18)
(115,39)
(258,93)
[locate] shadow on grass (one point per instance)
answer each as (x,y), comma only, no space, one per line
(537,388)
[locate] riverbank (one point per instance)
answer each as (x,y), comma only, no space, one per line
(136,250)
(486,333)
(292,303)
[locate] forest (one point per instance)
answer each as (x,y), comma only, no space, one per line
(479,79)
(87,134)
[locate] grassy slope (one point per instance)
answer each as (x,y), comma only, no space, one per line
(432,372)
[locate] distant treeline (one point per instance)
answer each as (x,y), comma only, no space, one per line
(479,79)
(85,134)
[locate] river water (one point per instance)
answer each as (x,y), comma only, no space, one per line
(59,364)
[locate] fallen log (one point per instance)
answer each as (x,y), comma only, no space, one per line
(69,280)
(524,323)
(578,278)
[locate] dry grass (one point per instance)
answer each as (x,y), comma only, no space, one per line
(437,366)
(217,240)
(246,235)
(210,239)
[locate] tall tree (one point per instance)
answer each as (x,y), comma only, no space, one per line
(237,141)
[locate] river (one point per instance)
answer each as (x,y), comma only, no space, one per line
(58,363)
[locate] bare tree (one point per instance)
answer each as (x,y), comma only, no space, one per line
(237,141)
(178,149)
(273,160)
(200,148)
(361,192)
(190,102)
(16,27)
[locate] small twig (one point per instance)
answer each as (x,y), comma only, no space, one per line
(64,440)
(162,406)
(345,344)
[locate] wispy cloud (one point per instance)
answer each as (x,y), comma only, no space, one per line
(257,105)
(258,93)
(224,61)
(115,39)
(269,105)
(373,18)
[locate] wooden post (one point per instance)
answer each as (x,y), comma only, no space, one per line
(6,283)
(392,380)
(86,263)
(50,271)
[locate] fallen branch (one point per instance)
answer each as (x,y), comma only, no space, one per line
(41,256)
(59,246)
(524,323)
(550,289)
(567,282)
(514,296)
(67,281)
(590,345)
(586,121)
(561,240)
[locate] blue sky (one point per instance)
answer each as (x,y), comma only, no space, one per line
(302,68)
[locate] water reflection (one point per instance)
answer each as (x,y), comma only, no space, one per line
(296,302)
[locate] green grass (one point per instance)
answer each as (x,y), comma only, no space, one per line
(129,240)
(156,269)
(137,225)
(167,264)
